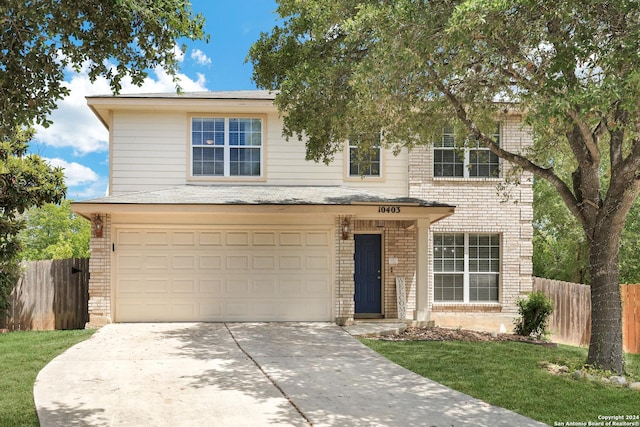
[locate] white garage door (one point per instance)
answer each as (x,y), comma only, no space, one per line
(222,275)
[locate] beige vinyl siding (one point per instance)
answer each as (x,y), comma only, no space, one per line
(286,165)
(150,151)
(147,151)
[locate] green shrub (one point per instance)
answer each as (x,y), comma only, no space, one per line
(534,315)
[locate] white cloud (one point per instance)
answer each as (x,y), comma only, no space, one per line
(200,57)
(75,126)
(91,191)
(178,53)
(74,173)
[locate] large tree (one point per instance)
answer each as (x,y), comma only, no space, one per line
(39,41)
(572,67)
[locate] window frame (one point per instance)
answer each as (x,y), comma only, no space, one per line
(349,146)
(466,273)
(227,148)
(463,154)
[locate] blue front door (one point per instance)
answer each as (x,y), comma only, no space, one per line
(368,274)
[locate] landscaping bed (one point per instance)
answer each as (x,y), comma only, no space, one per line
(436,333)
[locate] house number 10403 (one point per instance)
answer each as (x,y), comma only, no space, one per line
(389,209)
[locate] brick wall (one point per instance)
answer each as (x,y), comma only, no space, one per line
(100,279)
(481,208)
(344,271)
(398,239)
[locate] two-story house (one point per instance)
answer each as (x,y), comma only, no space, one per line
(211,215)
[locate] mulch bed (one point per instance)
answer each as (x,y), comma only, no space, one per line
(446,334)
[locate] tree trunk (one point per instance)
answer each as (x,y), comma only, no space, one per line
(605,349)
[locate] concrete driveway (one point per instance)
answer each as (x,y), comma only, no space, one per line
(244,374)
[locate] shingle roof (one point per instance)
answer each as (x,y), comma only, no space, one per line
(260,195)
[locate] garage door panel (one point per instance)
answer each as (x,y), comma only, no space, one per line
(236,285)
(131,286)
(291,262)
(155,263)
(156,238)
(184,286)
(211,310)
(210,262)
(183,262)
(317,239)
(184,238)
(291,239)
(211,286)
(317,262)
(210,238)
(317,287)
(238,238)
(264,262)
(237,262)
(221,275)
(130,238)
(129,262)
(158,286)
(236,308)
(184,310)
(291,285)
(265,286)
(264,238)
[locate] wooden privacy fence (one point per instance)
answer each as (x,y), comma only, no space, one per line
(570,322)
(631,318)
(50,295)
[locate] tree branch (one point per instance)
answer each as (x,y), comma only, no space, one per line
(526,164)
(590,140)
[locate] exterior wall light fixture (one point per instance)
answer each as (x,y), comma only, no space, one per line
(346,227)
(98,226)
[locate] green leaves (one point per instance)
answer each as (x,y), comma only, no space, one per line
(40,39)
(54,232)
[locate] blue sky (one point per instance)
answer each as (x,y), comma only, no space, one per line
(77,141)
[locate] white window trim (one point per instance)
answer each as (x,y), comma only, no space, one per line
(466,163)
(379,175)
(372,178)
(227,149)
(466,274)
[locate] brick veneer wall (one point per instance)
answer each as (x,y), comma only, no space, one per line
(100,278)
(398,240)
(480,208)
(344,271)
(400,243)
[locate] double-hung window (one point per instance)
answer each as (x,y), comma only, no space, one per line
(466,267)
(226,146)
(364,160)
(470,160)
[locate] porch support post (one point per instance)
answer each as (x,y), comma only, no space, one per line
(422,283)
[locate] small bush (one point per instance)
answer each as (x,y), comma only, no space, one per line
(534,315)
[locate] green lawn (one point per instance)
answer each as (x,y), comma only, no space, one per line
(508,374)
(22,356)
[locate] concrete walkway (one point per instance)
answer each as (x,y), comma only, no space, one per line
(244,374)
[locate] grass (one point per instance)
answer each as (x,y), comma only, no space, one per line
(509,374)
(22,356)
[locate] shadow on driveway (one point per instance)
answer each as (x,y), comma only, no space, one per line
(241,374)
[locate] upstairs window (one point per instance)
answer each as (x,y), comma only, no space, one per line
(466,267)
(364,161)
(472,160)
(226,146)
